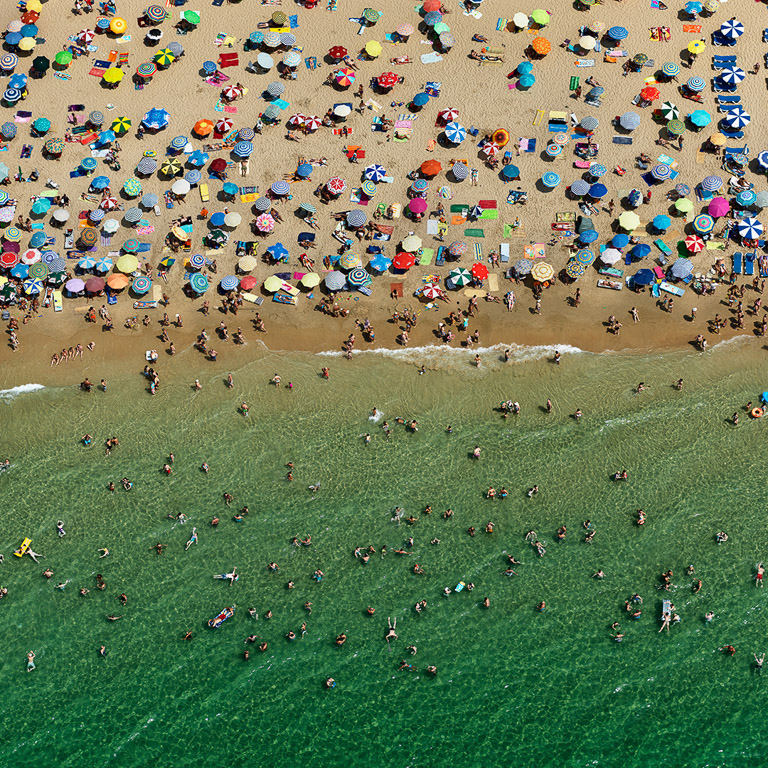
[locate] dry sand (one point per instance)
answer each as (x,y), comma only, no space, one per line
(479,92)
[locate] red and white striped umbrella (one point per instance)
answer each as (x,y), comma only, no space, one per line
(223,125)
(336,185)
(297,119)
(694,244)
(109,204)
(85,35)
(491,149)
(448,115)
(387,80)
(312,123)
(431,291)
(31,256)
(231,92)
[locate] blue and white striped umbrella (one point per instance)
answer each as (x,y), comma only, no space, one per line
(749,228)
(356,218)
(262,204)
(104,264)
(96,215)
(589,123)
(179,142)
(375,172)
(746,198)
(288,39)
(48,256)
(732,74)
(58,265)
(243,149)
(550,179)
(762,160)
(246,134)
(146,165)
(629,121)
(133,215)
(617,33)
(197,261)
(460,171)
(194,176)
(711,183)
(12,95)
(737,118)
(670,69)
(597,170)
(87,262)
(579,187)
(229,283)
(280,187)
(455,132)
(149,200)
(732,29)
(554,150)
(661,172)
(696,84)
(681,268)
(32,286)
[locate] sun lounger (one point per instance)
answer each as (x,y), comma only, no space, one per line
(720,62)
(504,253)
(732,134)
(440,258)
(613,285)
(737,261)
(669,288)
(749,264)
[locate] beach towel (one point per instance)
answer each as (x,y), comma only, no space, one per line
(426,256)
(432,226)
(504,253)
(97,72)
(474,232)
(478,252)
(430,58)
(694,28)
(440,258)
(458,219)
(622,139)
(293,21)
(486,204)
(585,62)
(489,215)
(397,288)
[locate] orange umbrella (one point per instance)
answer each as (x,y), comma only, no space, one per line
(541,45)
(649,94)
(345,77)
(203,127)
(118,281)
(431,168)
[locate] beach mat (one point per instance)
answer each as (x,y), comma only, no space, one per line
(397,288)
(493,283)
(426,256)
(458,219)
(489,214)
(473,232)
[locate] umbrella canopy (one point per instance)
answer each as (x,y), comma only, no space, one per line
(541,45)
(245,264)
(375,172)
(198,283)
(262,204)
(356,218)
(550,179)
(629,121)
(693,7)
(229,283)
(280,188)
(118,281)
(661,172)
(100,182)
(694,243)
(8,259)
(761,199)
(589,123)
(141,285)
(711,183)
(404,260)
(700,118)
(148,165)
(737,118)
(8,130)
(34,286)
(542,271)
(417,205)
(31,256)
(243,149)
(430,168)
(703,223)
(644,277)
(248,282)
(732,29)
(460,277)
(156,119)
(635,198)
(574,269)
(554,150)
(523,267)
(696,46)
(585,256)
(683,205)
(460,171)
(681,268)
(588,236)
(746,198)
(373,48)
(629,220)
(640,251)
(8,61)
(273,284)
(39,271)
(380,263)
(617,33)
(338,52)
(358,277)
(336,185)
(649,93)
(675,127)
(411,244)
(265,222)
(670,69)
(748,229)
(455,132)
(696,84)
(579,187)
(718,206)
(661,222)
(732,75)
(669,111)
(89,236)
(598,190)
(349,261)
(479,270)
(149,200)
(75,285)
(335,281)
(611,256)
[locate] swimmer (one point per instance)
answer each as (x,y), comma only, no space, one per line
(63,584)
(391,626)
(486,602)
(123,598)
(112,617)
(47,573)
(103,651)
(87,439)
(244,409)
(709,616)
(532,491)
(60,529)
(432,670)
(34,555)
(192,539)
(541,606)
(263,646)
(111,487)
(330,683)
(721,537)
(30,661)
(599,574)
(104,552)
(640,388)
(413,649)
(476,452)
(759,660)
(341,639)
(759,575)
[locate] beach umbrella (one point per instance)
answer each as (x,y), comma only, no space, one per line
(42,205)
(89,236)
(130,246)
(155,13)
(109,204)
(479,270)
(373,48)
(63,58)
(696,46)
(644,277)
(585,256)
(589,123)
(141,285)
(243,149)
(8,130)
(12,95)
(712,5)
(249,281)
(746,198)
(649,93)
(445,116)
(338,52)
(703,223)
(411,244)
(588,236)
(96,215)
(420,185)
(598,190)
(280,188)
(20,271)
(617,33)
(223,125)
(670,69)
(732,74)
(446,39)
(461,172)
(27,43)
(335,281)
(455,133)
(100,182)
(191,17)
(113,75)
(147,69)
(457,248)
(146,165)
(104,264)
(149,200)
(749,228)
(8,61)
(696,84)
(629,121)
(292,59)
(629,220)
(661,222)
(14,25)
(675,127)
(246,134)
(245,264)
(700,118)
(732,29)
(198,158)
(579,187)
(296,120)
(118,281)
(635,197)
(12,234)
(762,160)
(276,88)
(574,269)
(587,42)
(197,261)
(312,123)
(75,285)
(661,172)
(711,183)
(345,77)
(620,241)
(262,204)
(133,215)
(380,263)
(694,243)
(550,179)
(61,215)
(682,268)
(404,30)
(420,100)
(375,172)
(31,256)
(18,81)
(307,208)
(403,260)
(88,163)
(95,284)
(132,187)
(542,271)
(8,259)
(718,207)
(356,218)
(541,45)
(193,177)
(349,261)
(523,267)
(265,61)
(683,205)
(198,283)
(640,251)
(526,81)
(358,277)
(669,111)
(54,146)
(761,199)
(737,118)
(156,119)
(417,205)
(639,59)
(553,150)
(127,263)
(265,222)
(693,7)
(180,187)
(33,285)
(336,185)
(490,149)
(178,142)
(41,64)
(164,58)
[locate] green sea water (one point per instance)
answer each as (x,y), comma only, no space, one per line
(514,686)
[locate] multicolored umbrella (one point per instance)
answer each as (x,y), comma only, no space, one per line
(199,283)
(542,272)
(694,243)
(670,69)
(585,257)
(33,286)
(345,77)
(141,285)
(661,172)
(349,261)
(746,198)
(675,127)
(575,269)
(265,222)
(132,187)
(703,223)
(696,84)
(550,179)
(375,172)
(336,185)
(358,277)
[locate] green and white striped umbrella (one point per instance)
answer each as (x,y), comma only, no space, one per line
(460,277)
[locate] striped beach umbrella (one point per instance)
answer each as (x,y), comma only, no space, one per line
(49,257)
(345,77)
(579,187)
(349,261)
(732,74)
(31,256)
(243,149)
(155,13)
(675,127)
(149,200)
(617,33)
(223,125)
(164,57)
(147,165)
(669,111)
(377,172)
(703,223)
(288,39)
(96,215)
(670,69)
(271,39)
(296,120)
(34,286)
(748,229)
(460,277)
(198,283)
(681,268)
(104,264)
(746,198)
(737,118)
(131,245)
(262,204)
(336,185)
(8,259)
(358,277)
(9,61)
(307,207)
(420,185)
(550,179)
(179,142)
(694,243)
(575,269)
(661,172)
(54,146)
(275,88)
(229,283)
(460,171)
(246,134)
(696,84)
(12,234)
(141,285)
(554,150)
(711,183)
(455,132)
(312,123)
(589,123)
(193,177)
(292,59)
(585,256)
(542,271)
(133,215)
(629,121)
(732,29)
(356,218)
(171,167)
(12,95)
(197,261)
(369,188)
(280,187)
(86,263)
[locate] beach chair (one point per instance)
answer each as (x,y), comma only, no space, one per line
(718,86)
(749,264)
(732,134)
(738,256)
(720,62)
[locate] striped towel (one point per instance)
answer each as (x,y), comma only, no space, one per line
(501,24)
(106,239)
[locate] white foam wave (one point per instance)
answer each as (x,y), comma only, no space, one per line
(734,340)
(434,354)
(22,389)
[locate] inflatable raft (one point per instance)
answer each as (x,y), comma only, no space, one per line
(217,621)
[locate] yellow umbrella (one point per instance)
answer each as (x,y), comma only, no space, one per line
(310,280)
(247,263)
(629,220)
(180,234)
(273,283)
(113,75)
(34,5)
(27,43)
(411,244)
(683,205)
(717,139)
(127,263)
(373,48)
(696,46)
(542,272)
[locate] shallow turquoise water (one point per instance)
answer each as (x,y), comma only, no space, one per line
(513,685)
